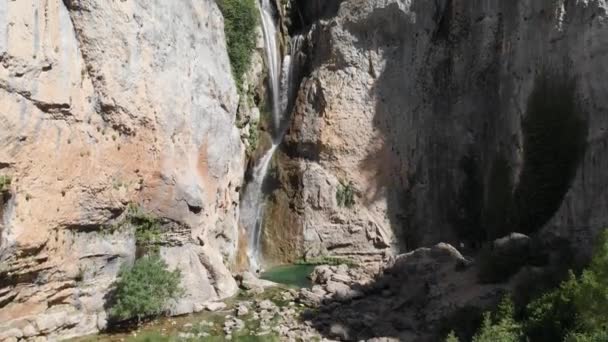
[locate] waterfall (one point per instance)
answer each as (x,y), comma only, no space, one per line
(272,59)
(252,208)
(281,78)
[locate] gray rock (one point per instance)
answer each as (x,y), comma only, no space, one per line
(215,306)
(249,282)
(10,333)
(341,278)
(321,274)
(266,305)
(339,332)
(339,289)
(310,298)
(242,310)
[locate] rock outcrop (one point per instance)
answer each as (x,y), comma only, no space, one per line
(106,103)
(448,120)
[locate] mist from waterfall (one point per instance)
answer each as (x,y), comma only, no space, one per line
(282,88)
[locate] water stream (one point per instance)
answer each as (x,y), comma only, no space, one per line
(281,81)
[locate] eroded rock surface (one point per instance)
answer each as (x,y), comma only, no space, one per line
(429,109)
(104,103)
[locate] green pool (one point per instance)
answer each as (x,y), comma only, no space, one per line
(290,275)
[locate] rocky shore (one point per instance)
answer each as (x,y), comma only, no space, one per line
(411,297)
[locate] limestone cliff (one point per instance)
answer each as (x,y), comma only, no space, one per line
(449,120)
(102,104)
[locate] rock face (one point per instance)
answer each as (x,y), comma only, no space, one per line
(449,120)
(104,103)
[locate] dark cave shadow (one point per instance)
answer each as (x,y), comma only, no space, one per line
(448,137)
(396,304)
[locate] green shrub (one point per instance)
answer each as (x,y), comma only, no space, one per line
(578,308)
(145,289)
(576,311)
(452,337)
(501,326)
(240,21)
(5,183)
(254,137)
(148,229)
(599,336)
(552,315)
(345,194)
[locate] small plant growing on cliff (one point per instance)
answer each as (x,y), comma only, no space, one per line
(452,337)
(240,21)
(254,137)
(345,194)
(5,183)
(145,289)
(147,227)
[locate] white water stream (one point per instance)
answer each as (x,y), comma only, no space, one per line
(273,59)
(282,88)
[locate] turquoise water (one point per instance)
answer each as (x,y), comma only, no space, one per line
(290,275)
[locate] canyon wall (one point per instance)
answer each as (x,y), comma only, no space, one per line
(103,104)
(449,120)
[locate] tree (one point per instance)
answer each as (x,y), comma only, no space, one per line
(502,327)
(145,289)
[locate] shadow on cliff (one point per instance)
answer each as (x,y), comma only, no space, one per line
(453,165)
(418,298)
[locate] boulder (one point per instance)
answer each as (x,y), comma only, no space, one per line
(215,306)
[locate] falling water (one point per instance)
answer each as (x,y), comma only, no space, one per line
(252,208)
(273,59)
(282,90)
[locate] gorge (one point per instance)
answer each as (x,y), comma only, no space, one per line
(447,151)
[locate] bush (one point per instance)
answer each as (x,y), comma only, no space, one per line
(254,137)
(5,183)
(240,21)
(147,227)
(345,195)
(452,337)
(145,289)
(552,315)
(500,327)
(576,311)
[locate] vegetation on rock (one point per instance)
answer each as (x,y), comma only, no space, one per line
(575,311)
(254,137)
(345,194)
(145,289)
(500,326)
(326,260)
(147,227)
(240,21)
(5,183)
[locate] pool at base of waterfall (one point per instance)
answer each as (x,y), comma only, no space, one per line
(296,276)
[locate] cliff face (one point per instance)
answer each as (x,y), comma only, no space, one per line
(452,121)
(104,103)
